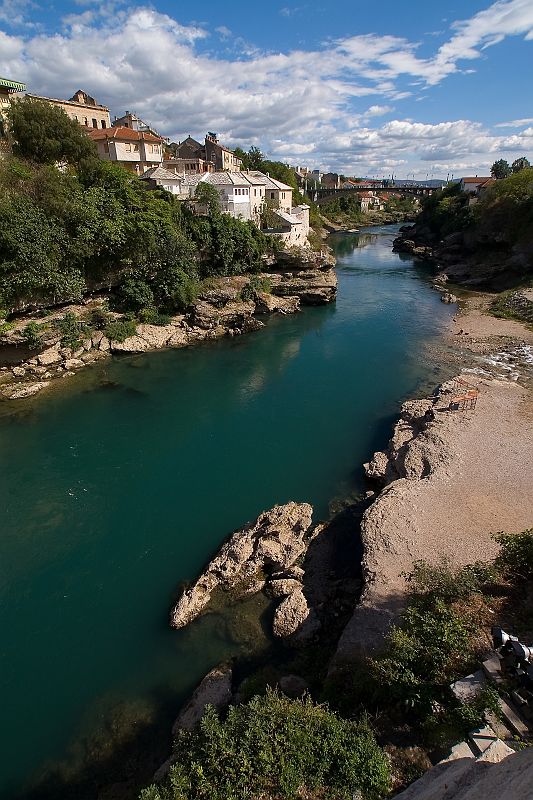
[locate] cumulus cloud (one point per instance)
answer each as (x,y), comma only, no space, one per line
(146,61)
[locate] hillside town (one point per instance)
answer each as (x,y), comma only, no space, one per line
(181,167)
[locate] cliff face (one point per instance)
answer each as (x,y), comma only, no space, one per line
(478,257)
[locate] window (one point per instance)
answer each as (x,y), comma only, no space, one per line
(75,117)
(86,122)
(272,195)
(95,123)
(127,147)
(104,124)
(136,148)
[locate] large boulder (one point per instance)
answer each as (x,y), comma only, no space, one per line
(294,621)
(271,543)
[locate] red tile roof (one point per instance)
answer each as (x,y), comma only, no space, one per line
(123,134)
(475,180)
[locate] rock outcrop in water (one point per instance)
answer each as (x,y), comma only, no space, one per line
(273,542)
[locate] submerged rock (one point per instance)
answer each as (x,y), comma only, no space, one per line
(272,543)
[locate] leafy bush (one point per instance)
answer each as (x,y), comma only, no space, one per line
(120,329)
(275,747)
(71,329)
(443,582)
(152,316)
(516,555)
(33,334)
(135,294)
(98,318)
(255,285)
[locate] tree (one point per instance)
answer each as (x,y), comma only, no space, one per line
(520,164)
(254,158)
(44,134)
(500,169)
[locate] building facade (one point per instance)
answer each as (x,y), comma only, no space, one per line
(8,89)
(191,157)
(81,107)
(135,150)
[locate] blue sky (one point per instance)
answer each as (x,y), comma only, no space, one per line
(362,88)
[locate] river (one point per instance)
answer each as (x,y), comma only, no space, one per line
(122,482)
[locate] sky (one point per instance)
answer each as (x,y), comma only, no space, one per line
(417,88)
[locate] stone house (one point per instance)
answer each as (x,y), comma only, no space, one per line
(277,194)
(161,178)
(135,150)
(191,157)
(244,194)
(81,107)
(369,200)
(130,120)
(293,228)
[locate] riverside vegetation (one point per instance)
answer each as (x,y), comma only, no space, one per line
(485,244)
(370,728)
(91,225)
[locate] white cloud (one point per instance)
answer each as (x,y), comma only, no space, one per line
(515,123)
(293,105)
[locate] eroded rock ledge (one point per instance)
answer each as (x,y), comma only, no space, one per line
(230,307)
(264,551)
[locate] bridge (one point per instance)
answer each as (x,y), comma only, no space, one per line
(421,190)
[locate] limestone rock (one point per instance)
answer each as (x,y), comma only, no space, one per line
(231,315)
(50,356)
(376,469)
(272,542)
(312,287)
(18,372)
(74,363)
(268,303)
(133,344)
(28,389)
(448,297)
(215,689)
(294,620)
(282,587)
(104,344)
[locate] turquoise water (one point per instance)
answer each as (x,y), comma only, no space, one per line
(123,482)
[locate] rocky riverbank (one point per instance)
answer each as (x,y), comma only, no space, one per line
(227,307)
(474,258)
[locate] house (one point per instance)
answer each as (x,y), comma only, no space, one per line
(222,157)
(161,178)
(293,227)
(130,120)
(277,194)
(81,107)
(331,180)
(7,89)
(370,200)
(472,185)
(244,195)
(191,157)
(137,151)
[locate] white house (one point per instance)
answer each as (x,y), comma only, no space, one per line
(159,177)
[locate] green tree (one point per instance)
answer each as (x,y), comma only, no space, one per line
(520,164)
(500,169)
(43,133)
